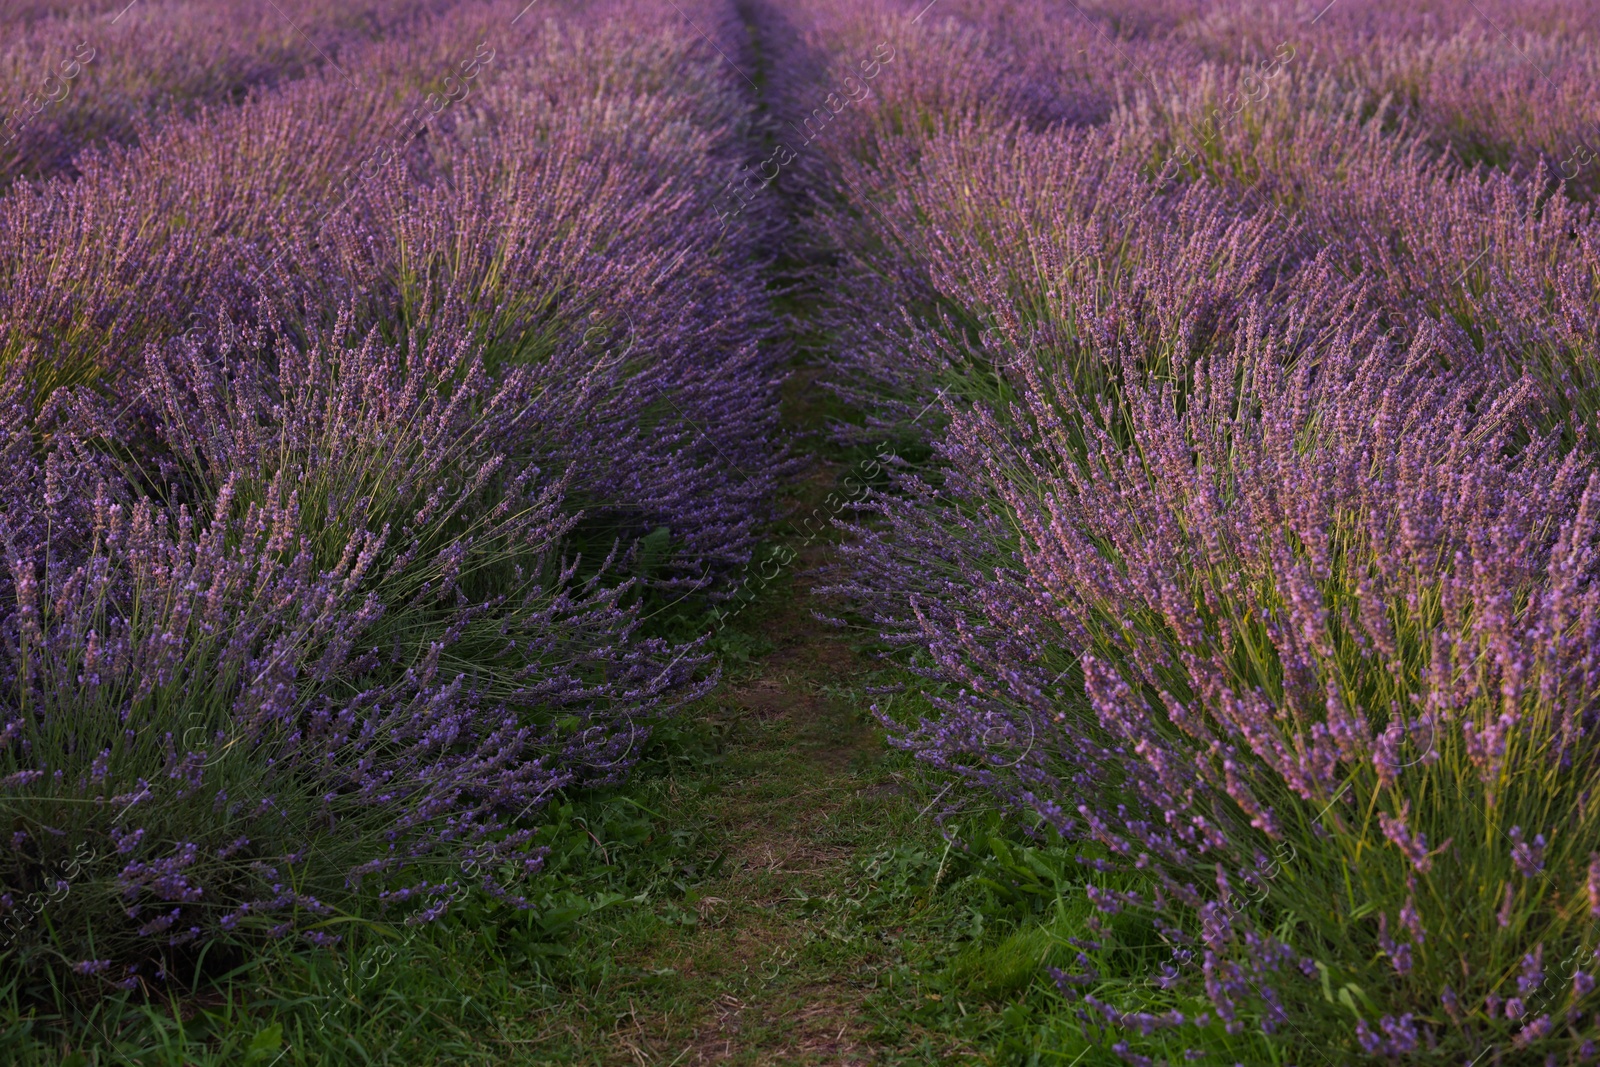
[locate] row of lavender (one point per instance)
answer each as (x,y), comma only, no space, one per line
(89,73)
(1258,553)
(343,427)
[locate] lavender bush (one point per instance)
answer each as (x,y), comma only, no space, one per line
(330,459)
(353,663)
(1292,673)
(1256,552)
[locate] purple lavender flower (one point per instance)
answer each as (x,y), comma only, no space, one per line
(1532,976)
(1527,855)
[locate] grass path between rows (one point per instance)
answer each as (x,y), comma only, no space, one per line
(797,941)
(773,969)
(780,962)
(808,927)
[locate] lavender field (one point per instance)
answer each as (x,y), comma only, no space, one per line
(833,531)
